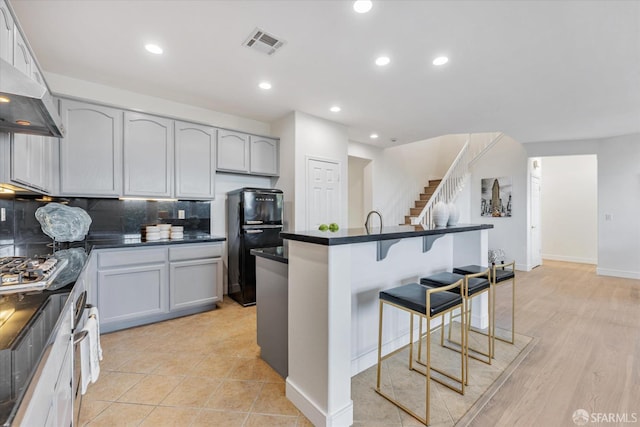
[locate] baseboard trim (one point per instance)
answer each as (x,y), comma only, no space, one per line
(318,417)
(578,260)
(618,273)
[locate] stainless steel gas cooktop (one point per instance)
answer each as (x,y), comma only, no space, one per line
(22,274)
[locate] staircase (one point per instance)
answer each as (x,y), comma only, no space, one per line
(447,188)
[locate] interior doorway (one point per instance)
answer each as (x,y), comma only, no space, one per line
(323,192)
(568,209)
(360,189)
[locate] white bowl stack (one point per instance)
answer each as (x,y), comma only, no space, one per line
(152,233)
(177,232)
(165,230)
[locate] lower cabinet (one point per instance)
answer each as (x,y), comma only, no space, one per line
(136,286)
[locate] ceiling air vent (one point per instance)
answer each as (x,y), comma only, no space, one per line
(263,42)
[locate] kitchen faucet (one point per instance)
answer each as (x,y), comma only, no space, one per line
(366,223)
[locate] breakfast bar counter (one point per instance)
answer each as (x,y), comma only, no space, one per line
(334,279)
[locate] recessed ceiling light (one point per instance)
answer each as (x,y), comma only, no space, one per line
(265,85)
(335,109)
(4,99)
(153,48)
(381,61)
(373,136)
(362,6)
(440,60)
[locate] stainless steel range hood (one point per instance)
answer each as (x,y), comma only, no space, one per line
(25,105)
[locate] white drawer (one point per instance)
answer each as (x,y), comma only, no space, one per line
(196,251)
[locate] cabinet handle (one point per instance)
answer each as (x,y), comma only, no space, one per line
(254,231)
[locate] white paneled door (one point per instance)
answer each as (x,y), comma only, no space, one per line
(323,193)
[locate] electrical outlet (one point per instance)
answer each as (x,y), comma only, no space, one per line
(3,214)
(180,214)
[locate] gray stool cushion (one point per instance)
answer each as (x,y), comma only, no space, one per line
(414,297)
(476,284)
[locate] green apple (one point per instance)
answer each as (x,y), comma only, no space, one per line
(333,226)
(323,227)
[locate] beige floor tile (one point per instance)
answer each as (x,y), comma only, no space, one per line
(164,416)
(213,418)
(121,415)
(151,390)
(304,421)
(91,409)
(113,359)
(179,364)
(214,367)
(272,400)
(111,385)
(254,369)
(144,362)
(261,420)
(235,395)
(192,392)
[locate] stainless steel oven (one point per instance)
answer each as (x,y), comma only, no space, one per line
(78,336)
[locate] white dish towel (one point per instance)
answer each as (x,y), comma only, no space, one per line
(90,353)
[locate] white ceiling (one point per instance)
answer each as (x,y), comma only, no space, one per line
(536,70)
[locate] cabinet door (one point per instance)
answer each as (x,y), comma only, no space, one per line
(195,282)
(148,155)
(28,160)
(132,292)
(264,156)
(233,151)
(195,161)
(21,56)
(91,152)
(6,33)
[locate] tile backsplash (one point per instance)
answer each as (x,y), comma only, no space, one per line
(18,223)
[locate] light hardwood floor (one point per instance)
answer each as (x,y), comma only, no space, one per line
(588,354)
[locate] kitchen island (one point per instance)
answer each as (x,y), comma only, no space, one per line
(334,282)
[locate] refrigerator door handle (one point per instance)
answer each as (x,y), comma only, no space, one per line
(254,231)
(254,222)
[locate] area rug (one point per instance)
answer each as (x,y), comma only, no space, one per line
(448,408)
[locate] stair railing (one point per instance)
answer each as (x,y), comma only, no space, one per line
(455,177)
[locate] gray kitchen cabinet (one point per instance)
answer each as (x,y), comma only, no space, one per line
(34,162)
(195,161)
(22,59)
(264,156)
(148,155)
(233,151)
(6,33)
(91,152)
(195,275)
(132,284)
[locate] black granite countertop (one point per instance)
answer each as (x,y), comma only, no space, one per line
(277,253)
(360,235)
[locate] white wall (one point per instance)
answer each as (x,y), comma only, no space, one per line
(357,193)
(285,129)
(506,158)
(63,85)
(618,196)
(321,139)
(569,208)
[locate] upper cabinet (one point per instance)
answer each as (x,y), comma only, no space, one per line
(239,152)
(148,155)
(195,161)
(233,151)
(91,152)
(34,162)
(21,57)
(264,156)
(6,33)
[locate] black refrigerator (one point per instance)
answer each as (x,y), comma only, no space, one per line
(254,220)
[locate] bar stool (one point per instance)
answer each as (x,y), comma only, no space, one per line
(500,273)
(427,303)
(474,285)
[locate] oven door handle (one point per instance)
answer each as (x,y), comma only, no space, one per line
(79,336)
(81,304)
